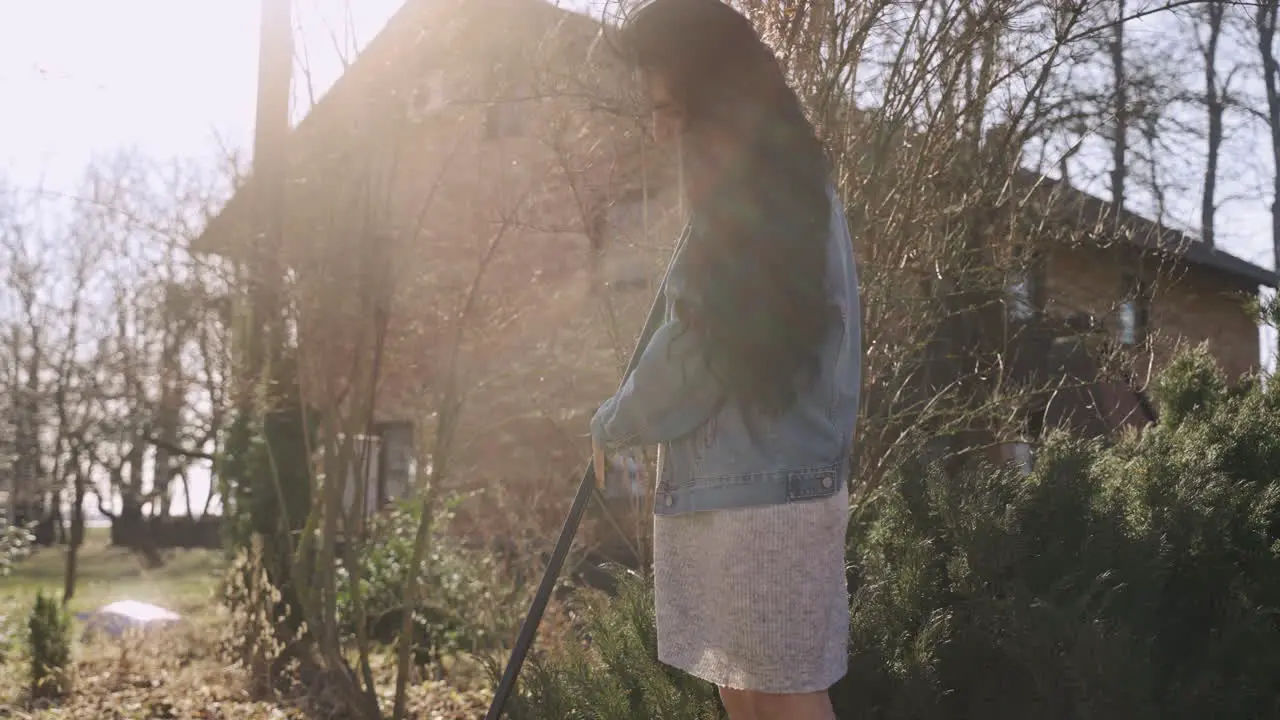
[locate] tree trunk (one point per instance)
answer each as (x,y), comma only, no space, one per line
(1120,89)
(162,474)
(1266,20)
(170,409)
(186,493)
(128,526)
(58,525)
(46,532)
(214,482)
(28,492)
(77,532)
(1216,106)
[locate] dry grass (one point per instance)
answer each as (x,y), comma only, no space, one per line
(176,672)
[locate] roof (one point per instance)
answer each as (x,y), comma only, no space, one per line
(1152,235)
(402,30)
(391,45)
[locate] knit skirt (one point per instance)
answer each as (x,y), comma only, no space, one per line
(755,598)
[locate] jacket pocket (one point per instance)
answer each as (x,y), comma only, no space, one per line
(812,484)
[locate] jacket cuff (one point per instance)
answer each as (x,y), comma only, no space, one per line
(602,430)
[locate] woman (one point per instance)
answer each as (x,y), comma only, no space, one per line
(750,388)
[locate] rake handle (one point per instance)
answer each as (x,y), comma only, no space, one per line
(529,629)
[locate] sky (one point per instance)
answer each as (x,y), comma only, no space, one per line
(177,79)
(168,79)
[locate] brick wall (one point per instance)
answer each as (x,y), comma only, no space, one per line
(1189,303)
(420,197)
(1208,305)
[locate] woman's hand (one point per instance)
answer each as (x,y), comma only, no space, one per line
(598,462)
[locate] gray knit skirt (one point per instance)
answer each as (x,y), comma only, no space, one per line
(755,598)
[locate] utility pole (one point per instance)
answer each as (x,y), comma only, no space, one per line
(275,69)
(256,386)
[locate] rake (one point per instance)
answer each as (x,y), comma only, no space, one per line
(586,488)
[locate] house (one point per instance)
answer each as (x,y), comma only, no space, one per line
(476,165)
(1139,287)
(1158,283)
(468,171)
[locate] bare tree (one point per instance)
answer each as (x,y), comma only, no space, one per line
(1216,91)
(166,351)
(1265,16)
(71,401)
(1120,80)
(27,272)
(935,112)
(98,343)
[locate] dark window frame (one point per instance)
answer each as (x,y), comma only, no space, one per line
(502,119)
(1135,308)
(1026,273)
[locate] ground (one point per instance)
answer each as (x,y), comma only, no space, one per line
(173,674)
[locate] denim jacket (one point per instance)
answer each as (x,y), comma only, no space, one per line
(711,457)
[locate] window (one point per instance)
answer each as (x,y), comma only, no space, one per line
(1019,298)
(626,477)
(1133,311)
(597,225)
(397,461)
(502,90)
(1021,453)
(620,237)
(428,96)
(502,119)
(362,475)
(628,281)
(1020,291)
(1021,456)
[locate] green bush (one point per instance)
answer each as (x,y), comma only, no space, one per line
(15,544)
(615,672)
(49,647)
(992,595)
(264,471)
(468,603)
(1137,580)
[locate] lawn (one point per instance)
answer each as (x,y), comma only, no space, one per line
(105,574)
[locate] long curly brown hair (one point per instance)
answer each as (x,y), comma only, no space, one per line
(756,258)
